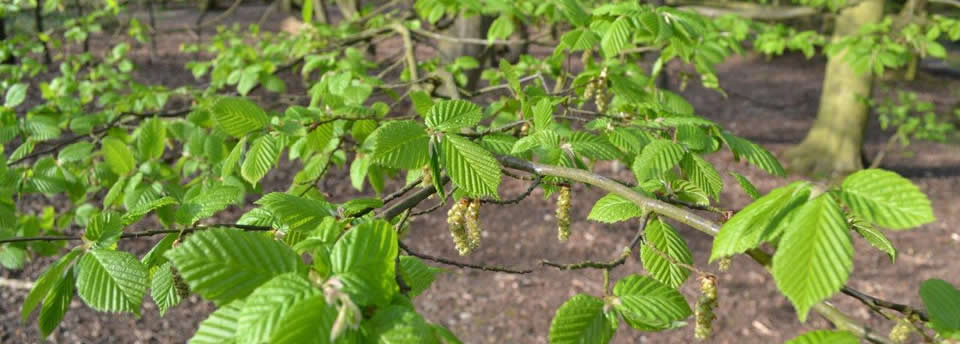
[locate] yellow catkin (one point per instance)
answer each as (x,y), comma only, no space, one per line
(724,264)
(901,332)
(427,177)
(458,231)
(472,219)
(563,213)
(706,304)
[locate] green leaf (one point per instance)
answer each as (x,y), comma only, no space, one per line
(367,254)
(56,304)
(416,274)
(759,221)
(593,147)
(401,144)
(359,169)
(104,229)
(581,320)
(470,166)
(658,157)
(309,321)
(223,265)
(297,213)
(112,281)
(747,186)
(755,154)
(15,95)
(263,155)
(162,288)
(873,236)
(502,27)
(887,199)
(617,37)
(649,305)
(220,327)
(47,280)
(702,174)
(117,155)
(152,139)
(144,208)
(399,324)
(825,337)
(943,304)
(435,157)
(318,139)
(575,12)
(269,303)
(543,114)
(79,151)
(230,163)
(815,255)
(421,102)
(614,208)
(238,116)
(543,138)
(208,202)
(453,114)
(580,39)
(667,242)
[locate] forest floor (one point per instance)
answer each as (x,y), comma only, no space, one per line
(772,102)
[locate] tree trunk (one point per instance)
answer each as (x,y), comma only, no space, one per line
(832,146)
(3,36)
(464,26)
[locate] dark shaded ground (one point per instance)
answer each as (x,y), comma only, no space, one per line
(771,102)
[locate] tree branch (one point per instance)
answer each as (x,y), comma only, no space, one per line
(459,264)
(839,319)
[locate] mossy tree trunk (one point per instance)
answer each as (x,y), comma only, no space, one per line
(832,146)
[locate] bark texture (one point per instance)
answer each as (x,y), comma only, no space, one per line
(832,146)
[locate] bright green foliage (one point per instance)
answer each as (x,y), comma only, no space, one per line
(663,249)
(582,319)
(223,265)
(943,305)
(115,154)
(648,305)
(825,337)
(418,275)
(238,116)
(364,259)
(658,157)
(111,281)
(886,199)
(220,326)
(614,208)
(815,256)
(162,288)
(268,304)
(471,167)
(263,155)
(759,221)
(453,114)
(401,144)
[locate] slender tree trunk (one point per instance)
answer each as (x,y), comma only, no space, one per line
(475,26)
(86,41)
(832,146)
(38,22)
(3,36)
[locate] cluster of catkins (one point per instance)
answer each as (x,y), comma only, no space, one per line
(563,213)
(597,88)
(183,290)
(706,304)
(464,220)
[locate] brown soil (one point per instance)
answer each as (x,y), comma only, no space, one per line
(771,102)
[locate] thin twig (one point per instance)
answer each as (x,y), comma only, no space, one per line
(515,200)
(459,264)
